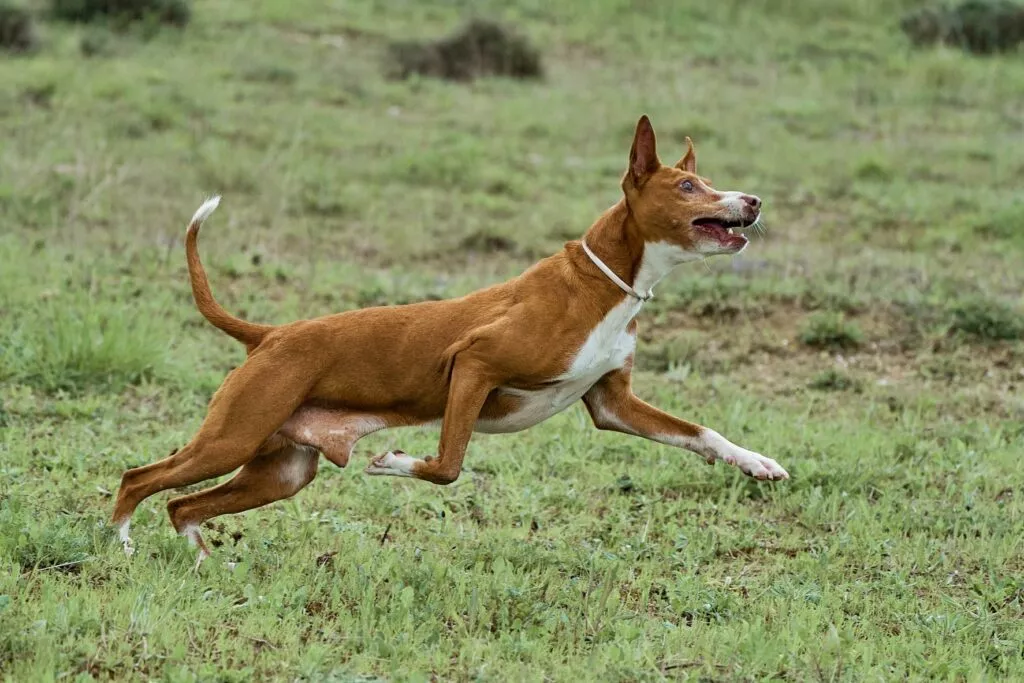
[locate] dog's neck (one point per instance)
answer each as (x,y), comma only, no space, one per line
(616,239)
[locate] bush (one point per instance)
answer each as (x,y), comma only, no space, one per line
(830,330)
(986,319)
(480,48)
(173,12)
(17,30)
(834,380)
(978,26)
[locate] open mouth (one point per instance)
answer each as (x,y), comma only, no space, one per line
(724,231)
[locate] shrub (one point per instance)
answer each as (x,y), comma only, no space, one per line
(986,319)
(480,48)
(17,30)
(834,380)
(830,330)
(172,12)
(978,26)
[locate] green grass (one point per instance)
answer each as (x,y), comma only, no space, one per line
(890,178)
(830,331)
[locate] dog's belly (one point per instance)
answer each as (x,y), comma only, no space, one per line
(535,406)
(608,347)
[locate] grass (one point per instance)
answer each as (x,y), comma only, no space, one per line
(830,330)
(889,175)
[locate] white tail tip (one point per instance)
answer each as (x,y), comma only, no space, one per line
(204,211)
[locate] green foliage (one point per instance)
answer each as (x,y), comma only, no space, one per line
(73,339)
(1005,224)
(987,319)
(830,330)
(17,29)
(172,12)
(480,48)
(834,380)
(979,26)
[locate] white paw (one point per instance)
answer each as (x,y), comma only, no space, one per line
(126,540)
(395,464)
(760,467)
(199,559)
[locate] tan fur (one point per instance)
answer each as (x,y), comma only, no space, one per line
(320,384)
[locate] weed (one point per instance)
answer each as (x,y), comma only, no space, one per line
(987,319)
(834,380)
(830,330)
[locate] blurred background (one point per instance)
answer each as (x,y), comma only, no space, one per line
(367,155)
(387,151)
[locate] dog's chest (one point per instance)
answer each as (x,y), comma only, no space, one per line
(608,346)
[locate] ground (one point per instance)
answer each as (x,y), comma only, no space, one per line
(870,341)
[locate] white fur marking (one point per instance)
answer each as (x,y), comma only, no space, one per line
(607,347)
(732,199)
(126,540)
(392,464)
(204,211)
(658,260)
(191,532)
(295,472)
(713,446)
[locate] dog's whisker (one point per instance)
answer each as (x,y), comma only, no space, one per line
(760,227)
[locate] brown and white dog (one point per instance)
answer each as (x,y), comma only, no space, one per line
(498,360)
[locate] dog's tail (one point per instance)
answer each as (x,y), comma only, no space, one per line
(250,334)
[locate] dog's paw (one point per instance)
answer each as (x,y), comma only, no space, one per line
(392,463)
(760,467)
(126,541)
(200,558)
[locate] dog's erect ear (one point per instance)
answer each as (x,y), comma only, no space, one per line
(643,157)
(689,161)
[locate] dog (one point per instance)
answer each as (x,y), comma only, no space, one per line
(498,360)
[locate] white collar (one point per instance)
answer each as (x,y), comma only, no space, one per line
(615,278)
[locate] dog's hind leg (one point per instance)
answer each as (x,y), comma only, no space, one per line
(266,478)
(251,404)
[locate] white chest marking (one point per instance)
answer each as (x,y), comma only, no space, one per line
(607,348)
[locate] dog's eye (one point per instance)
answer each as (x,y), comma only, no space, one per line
(686,186)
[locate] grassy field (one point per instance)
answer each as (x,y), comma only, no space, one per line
(871,341)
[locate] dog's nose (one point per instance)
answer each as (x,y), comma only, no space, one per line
(753,201)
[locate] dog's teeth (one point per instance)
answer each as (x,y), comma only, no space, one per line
(729,230)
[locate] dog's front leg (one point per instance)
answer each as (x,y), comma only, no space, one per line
(612,405)
(471,382)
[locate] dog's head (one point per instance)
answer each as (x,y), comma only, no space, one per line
(678,208)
